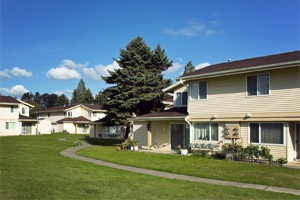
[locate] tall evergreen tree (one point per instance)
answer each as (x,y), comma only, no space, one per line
(88,96)
(80,94)
(100,98)
(137,83)
(188,68)
(62,100)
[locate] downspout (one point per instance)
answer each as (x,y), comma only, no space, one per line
(187,120)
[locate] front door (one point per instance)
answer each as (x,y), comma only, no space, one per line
(297,141)
(177,135)
(26,128)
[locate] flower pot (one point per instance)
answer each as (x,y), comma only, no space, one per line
(183,151)
(131,148)
(136,148)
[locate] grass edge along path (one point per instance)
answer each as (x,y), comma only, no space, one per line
(200,167)
(71,152)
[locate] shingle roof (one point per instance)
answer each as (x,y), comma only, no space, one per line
(66,107)
(25,118)
(8,99)
(247,63)
(172,112)
(74,119)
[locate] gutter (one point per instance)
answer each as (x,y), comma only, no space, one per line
(242,71)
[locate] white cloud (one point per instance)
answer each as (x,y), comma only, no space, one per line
(16,91)
(194,28)
(175,67)
(202,65)
(4,74)
(16,71)
(70,64)
(100,70)
(67,70)
(63,73)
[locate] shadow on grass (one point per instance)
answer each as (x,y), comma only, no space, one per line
(102,142)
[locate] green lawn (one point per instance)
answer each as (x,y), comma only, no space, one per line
(200,167)
(32,168)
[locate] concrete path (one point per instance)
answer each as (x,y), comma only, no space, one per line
(71,153)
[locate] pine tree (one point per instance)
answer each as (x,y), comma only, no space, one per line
(62,100)
(188,68)
(137,83)
(88,96)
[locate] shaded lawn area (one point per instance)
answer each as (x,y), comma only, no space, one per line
(32,168)
(200,167)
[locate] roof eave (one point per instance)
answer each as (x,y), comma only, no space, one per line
(157,118)
(241,71)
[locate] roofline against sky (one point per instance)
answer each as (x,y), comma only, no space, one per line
(242,71)
(232,72)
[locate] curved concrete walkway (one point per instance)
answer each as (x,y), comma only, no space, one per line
(71,153)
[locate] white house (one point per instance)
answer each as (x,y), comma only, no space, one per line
(14,117)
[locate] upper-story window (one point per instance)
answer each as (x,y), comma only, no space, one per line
(181,99)
(258,85)
(69,114)
(12,108)
(199,90)
(23,111)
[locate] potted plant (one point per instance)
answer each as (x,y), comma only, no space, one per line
(151,147)
(135,145)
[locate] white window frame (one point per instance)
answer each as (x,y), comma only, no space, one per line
(197,85)
(179,102)
(257,85)
(10,125)
(209,125)
(259,133)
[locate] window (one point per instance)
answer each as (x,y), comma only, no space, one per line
(23,111)
(268,133)
(205,131)
(10,125)
(69,114)
(11,109)
(199,90)
(258,85)
(181,99)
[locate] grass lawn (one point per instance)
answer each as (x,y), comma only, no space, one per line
(200,167)
(32,168)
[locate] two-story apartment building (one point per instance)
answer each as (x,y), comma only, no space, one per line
(77,118)
(14,117)
(250,101)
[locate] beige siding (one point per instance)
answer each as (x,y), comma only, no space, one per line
(228,95)
(140,133)
(160,133)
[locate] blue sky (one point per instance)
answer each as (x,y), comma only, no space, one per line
(47,46)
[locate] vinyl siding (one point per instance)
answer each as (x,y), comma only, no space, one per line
(228,94)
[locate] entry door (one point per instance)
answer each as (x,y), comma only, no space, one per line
(177,135)
(298,141)
(26,128)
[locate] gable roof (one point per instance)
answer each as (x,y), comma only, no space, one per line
(79,119)
(92,107)
(175,112)
(8,100)
(251,64)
